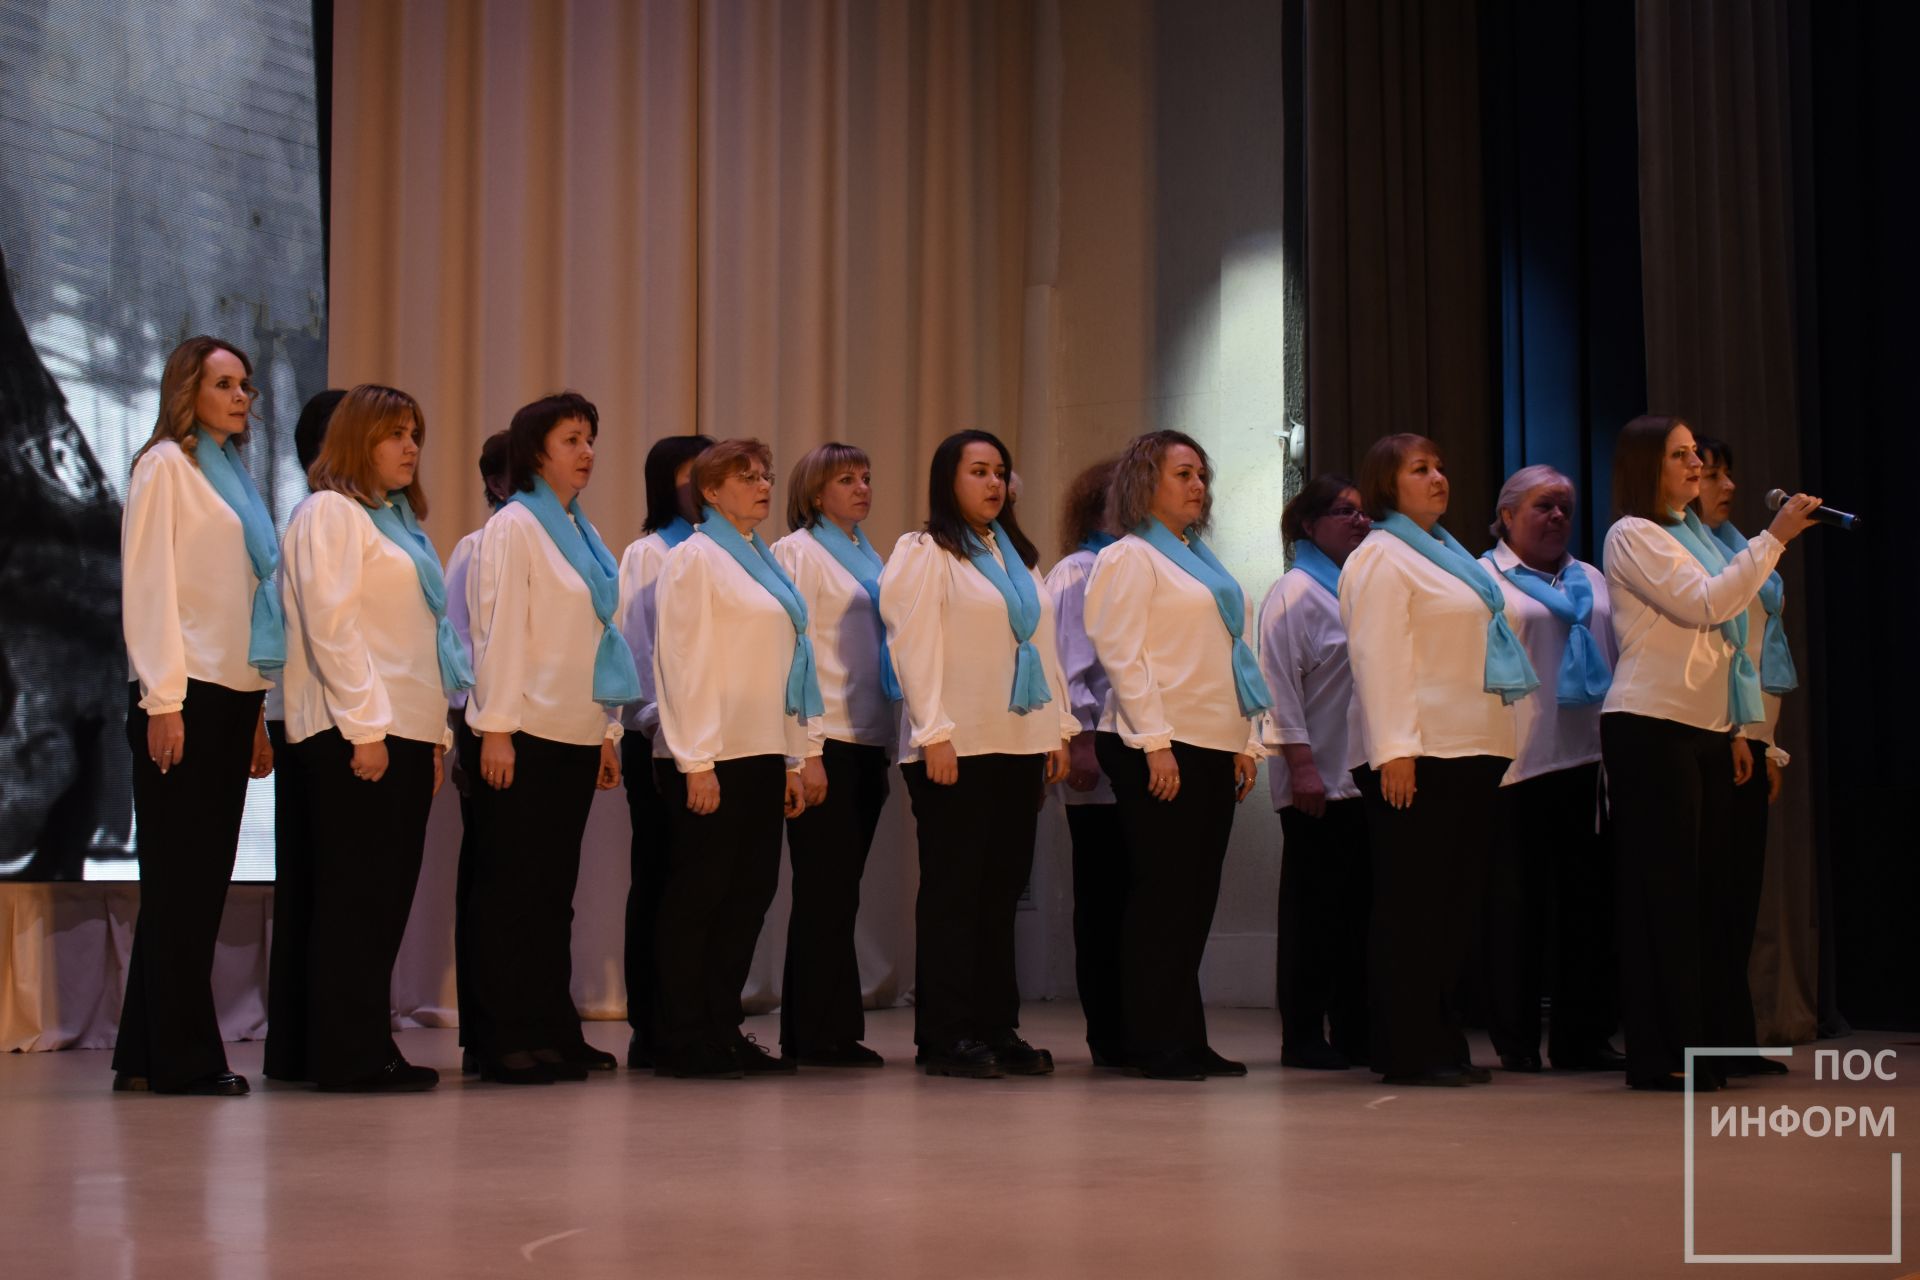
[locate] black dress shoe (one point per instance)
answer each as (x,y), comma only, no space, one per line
(125,1082)
(757,1060)
(699,1062)
(1749,1065)
(1601,1057)
(1177,1065)
(1476,1075)
(966,1059)
(469,1063)
(1215,1065)
(1313,1055)
(585,1055)
(1704,1081)
(518,1067)
(639,1055)
(1018,1058)
(1528,1063)
(1437,1078)
(850,1054)
(221,1084)
(1108,1057)
(559,1066)
(398,1076)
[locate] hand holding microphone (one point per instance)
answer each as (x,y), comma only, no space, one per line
(1777,499)
(1792,515)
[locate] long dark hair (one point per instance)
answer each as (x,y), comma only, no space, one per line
(1639,454)
(663,496)
(1314,500)
(945,524)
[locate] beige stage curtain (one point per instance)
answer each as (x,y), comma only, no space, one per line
(798,221)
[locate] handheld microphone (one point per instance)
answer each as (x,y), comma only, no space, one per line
(1777,498)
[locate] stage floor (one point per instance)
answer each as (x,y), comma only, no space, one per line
(888,1173)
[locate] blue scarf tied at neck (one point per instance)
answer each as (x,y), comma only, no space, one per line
(1197,558)
(1316,564)
(1777,672)
(1097,541)
(857,556)
(1743,682)
(675,531)
(226,471)
(1584,675)
(1014,581)
(615,680)
(1507,670)
(751,554)
(397,521)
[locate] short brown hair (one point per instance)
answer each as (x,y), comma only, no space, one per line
(718,461)
(1380,471)
(1137,474)
(361,421)
(533,423)
(1315,499)
(1083,512)
(810,476)
(1639,455)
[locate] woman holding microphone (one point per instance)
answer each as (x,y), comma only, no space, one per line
(1436,670)
(1179,736)
(1325,871)
(672,509)
(205,637)
(550,672)
(1683,687)
(837,573)
(371,660)
(740,710)
(1552,863)
(986,729)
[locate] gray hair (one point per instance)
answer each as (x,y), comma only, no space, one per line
(1518,486)
(1137,474)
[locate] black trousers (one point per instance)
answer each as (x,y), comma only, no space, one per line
(286,1051)
(466,745)
(722,871)
(1550,887)
(1101,873)
(1429,880)
(1683,936)
(1326,891)
(519,935)
(647,858)
(1175,849)
(976,856)
(368,839)
(188,825)
(820,1001)
(1745,882)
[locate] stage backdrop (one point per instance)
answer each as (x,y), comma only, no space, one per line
(872,222)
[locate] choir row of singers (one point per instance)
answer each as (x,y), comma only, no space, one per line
(1460,748)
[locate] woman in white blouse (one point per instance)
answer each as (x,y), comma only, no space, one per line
(1179,736)
(1682,688)
(1093,819)
(985,731)
(1757,784)
(550,672)
(837,572)
(371,659)
(466,744)
(204,638)
(1325,870)
(1552,863)
(672,509)
(740,711)
(1435,668)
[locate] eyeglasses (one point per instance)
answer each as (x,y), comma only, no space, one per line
(755,478)
(1345,512)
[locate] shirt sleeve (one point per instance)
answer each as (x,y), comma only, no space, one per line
(1282,661)
(150,586)
(1067,585)
(324,557)
(1046,640)
(913,604)
(1119,592)
(639,580)
(499,606)
(1257,723)
(1376,606)
(1653,565)
(684,646)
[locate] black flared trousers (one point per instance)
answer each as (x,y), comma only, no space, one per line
(820,998)
(1101,873)
(1326,892)
(187,827)
(286,1048)
(647,859)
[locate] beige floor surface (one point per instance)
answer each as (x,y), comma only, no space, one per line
(891,1174)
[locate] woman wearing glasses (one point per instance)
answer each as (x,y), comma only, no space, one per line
(1321,969)
(740,710)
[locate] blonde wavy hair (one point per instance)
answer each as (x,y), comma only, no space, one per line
(363,419)
(180,386)
(1137,475)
